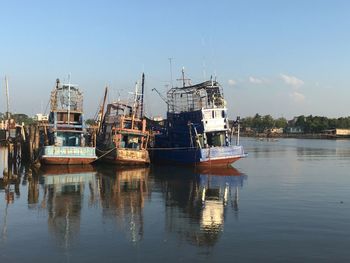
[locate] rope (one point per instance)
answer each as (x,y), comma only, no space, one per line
(104,153)
(174,148)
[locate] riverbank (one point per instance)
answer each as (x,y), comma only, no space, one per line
(294,135)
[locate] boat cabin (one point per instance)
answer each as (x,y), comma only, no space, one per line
(66,116)
(197,116)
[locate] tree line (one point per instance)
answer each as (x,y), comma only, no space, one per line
(18,117)
(308,124)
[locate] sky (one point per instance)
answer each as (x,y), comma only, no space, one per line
(278,57)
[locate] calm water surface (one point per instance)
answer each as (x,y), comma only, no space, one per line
(287,202)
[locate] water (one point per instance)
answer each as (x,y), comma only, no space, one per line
(288,201)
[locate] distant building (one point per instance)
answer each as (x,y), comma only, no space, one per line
(338,132)
(158,118)
(276,130)
(41,117)
(294,130)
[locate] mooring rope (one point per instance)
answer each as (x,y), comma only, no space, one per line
(104,153)
(150,149)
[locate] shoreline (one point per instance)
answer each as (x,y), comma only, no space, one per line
(294,136)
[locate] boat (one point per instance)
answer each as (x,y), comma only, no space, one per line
(197,129)
(122,137)
(65,132)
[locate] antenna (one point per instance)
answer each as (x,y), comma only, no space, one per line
(204,70)
(183,79)
(171,71)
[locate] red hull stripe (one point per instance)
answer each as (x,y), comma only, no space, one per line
(61,160)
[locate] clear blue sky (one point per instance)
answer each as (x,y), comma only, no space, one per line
(283,58)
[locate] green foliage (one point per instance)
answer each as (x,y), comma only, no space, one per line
(90,122)
(281,123)
(18,117)
(261,123)
(309,124)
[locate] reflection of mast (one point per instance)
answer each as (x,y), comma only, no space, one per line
(4,229)
(196,207)
(124,191)
(235,200)
(64,188)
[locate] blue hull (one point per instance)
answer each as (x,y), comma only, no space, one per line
(195,156)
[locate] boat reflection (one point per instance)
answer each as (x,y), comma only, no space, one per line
(219,187)
(197,201)
(123,192)
(63,196)
(10,176)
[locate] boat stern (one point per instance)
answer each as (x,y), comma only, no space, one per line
(224,155)
(67,155)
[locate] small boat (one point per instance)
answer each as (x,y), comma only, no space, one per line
(197,130)
(122,136)
(65,133)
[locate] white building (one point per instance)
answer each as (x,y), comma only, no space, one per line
(41,117)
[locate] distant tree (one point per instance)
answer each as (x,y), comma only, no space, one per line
(257,123)
(247,122)
(267,122)
(301,121)
(90,122)
(21,117)
(281,123)
(309,124)
(343,123)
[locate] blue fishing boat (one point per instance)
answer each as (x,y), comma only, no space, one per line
(64,134)
(197,129)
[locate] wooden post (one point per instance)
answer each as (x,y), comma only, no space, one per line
(15,149)
(31,139)
(37,138)
(24,144)
(46,143)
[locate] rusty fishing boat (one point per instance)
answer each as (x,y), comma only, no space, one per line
(122,136)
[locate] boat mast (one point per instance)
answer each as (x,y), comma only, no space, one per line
(68,98)
(7,99)
(142,93)
(183,77)
(171,72)
(100,114)
(134,107)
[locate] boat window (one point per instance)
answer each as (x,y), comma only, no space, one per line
(223,115)
(213,114)
(132,142)
(215,139)
(77,117)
